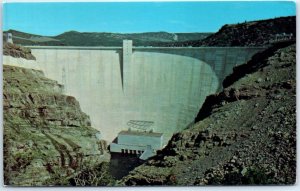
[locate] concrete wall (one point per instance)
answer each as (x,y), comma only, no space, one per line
(117,148)
(164,85)
(20,62)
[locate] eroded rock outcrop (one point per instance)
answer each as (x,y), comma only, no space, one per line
(47,138)
(247,136)
(17,51)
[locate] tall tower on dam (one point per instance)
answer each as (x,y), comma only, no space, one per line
(127,59)
(164,86)
(8,37)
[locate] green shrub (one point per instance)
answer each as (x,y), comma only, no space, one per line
(98,176)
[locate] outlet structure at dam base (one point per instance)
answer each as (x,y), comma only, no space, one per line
(164,86)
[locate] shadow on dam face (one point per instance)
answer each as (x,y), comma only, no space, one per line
(163,85)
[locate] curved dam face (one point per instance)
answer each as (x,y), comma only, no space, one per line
(164,87)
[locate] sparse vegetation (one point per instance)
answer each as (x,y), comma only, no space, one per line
(97,176)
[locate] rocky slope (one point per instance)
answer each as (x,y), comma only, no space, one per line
(48,140)
(254,33)
(247,135)
(16,51)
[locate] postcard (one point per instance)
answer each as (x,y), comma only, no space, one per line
(149,93)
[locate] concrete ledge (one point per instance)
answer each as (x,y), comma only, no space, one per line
(136,48)
(75,47)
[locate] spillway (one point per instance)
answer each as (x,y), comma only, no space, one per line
(116,85)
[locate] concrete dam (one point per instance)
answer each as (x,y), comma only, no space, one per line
(127,87)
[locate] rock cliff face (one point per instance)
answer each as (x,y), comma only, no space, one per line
(255,33)
(16,51)
(47,138)
(246,133)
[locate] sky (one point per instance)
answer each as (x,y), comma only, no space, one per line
(127,17)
